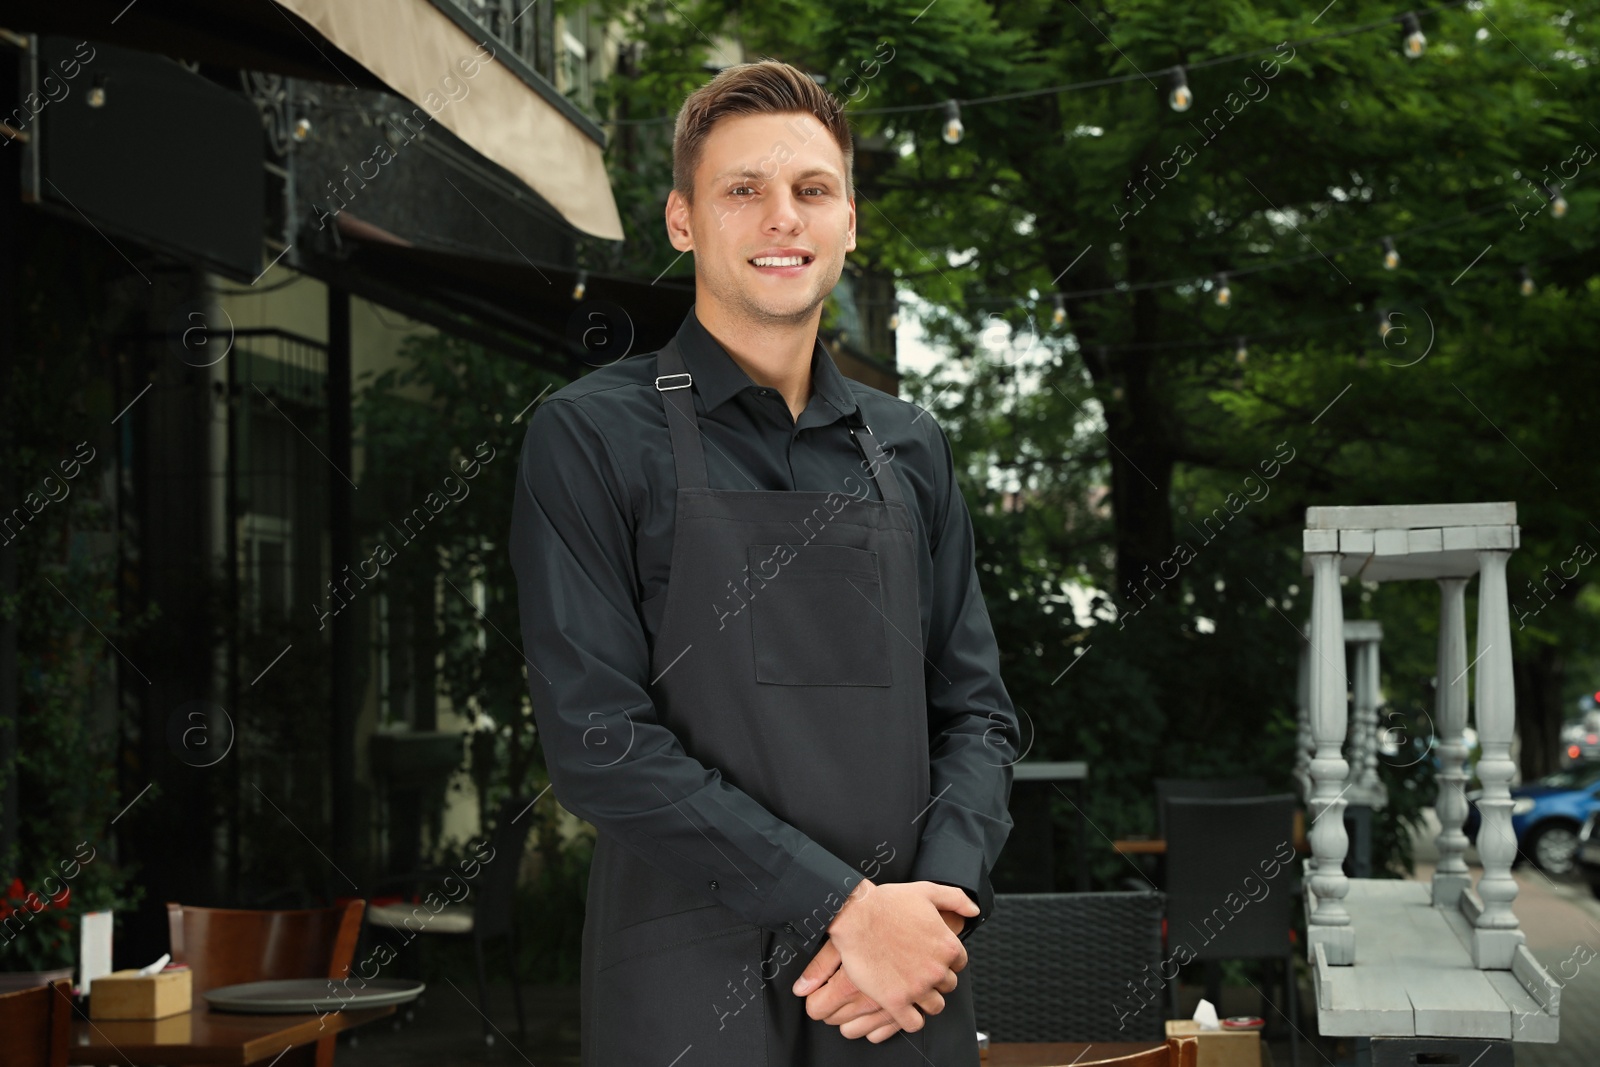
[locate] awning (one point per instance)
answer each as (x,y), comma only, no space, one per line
(469,84)
(414,48)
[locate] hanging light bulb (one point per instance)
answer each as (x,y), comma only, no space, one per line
(1180,98)
(1240,351)
(1224,294)
(581,285)
(302,129)
(1384,325)
(1059,316)
(894,315)
(1391,258)
(97,92)
(1558,203)
(1415,43)
(952,122)
(1527,285)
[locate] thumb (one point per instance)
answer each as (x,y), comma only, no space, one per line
(953,898)
(819,970)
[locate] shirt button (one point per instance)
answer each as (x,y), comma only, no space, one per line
(789,927)
(713,883)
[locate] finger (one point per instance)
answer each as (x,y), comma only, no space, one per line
(852,1009)
(947,984)
(960,962)
(931,1002)
(952,898)
(883,1033)
(868,1024)
(819,970)
(835,995)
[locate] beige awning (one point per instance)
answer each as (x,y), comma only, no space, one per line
(464,84)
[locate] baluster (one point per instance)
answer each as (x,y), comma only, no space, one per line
(1304,738)
(1497,933)
(1368,784)
(1451,876)
(1329,924)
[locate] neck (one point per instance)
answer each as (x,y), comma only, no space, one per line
(774,354)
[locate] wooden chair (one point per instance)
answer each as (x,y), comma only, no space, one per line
(227,947)
(1177,1052)
(36,1026)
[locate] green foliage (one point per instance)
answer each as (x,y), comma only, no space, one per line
(1296,161)
(70,626)
(450,402)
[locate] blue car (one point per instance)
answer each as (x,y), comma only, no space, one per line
(1547,815)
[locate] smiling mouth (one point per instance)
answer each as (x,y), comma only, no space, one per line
(781,261)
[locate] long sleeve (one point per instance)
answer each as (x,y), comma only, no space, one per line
(611,761)
(973,731)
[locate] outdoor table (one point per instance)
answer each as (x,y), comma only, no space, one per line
(1144,846)
(205,1036)
(1062,1053)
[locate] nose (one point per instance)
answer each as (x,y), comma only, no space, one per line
(783,215)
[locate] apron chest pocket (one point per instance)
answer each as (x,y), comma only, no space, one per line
(817,618)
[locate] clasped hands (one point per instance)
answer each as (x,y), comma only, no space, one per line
(891,950)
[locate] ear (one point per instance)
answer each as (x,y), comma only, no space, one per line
(850,234)
(680,230)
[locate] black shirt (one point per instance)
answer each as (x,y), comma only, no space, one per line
(591,543)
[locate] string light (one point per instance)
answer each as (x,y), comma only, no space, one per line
(1059,315)
(1180,98)
(1415,43)
(1224,294)
(1099,83)
(1527,285)
(1384,325)
(894,315)
(1558,203)
(1240,351)
(1391,258)
(952,122)
(581,285)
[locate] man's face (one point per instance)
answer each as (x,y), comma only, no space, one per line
(767,187)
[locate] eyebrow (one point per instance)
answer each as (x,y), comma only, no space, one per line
(750,172)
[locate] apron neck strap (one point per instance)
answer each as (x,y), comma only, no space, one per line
(676,384)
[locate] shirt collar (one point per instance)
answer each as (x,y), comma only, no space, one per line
(718,377)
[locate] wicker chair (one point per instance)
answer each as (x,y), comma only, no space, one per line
(1063,967)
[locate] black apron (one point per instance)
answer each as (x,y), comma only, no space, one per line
(802,685)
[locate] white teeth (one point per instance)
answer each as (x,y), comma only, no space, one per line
(778,261)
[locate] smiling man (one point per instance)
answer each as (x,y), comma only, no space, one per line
(759,657)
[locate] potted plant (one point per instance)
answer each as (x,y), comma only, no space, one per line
(36,936)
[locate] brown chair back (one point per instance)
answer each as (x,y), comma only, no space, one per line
(227,947)
(1177,1052)
(36,1025)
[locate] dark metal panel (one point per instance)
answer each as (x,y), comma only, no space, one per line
(167,158)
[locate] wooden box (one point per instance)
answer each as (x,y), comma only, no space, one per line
(1220,1048)
(130,995)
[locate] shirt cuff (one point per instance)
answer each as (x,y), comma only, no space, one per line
(950,862)
(810,894)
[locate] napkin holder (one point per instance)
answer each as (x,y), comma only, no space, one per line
(131,995)
(1220,1048)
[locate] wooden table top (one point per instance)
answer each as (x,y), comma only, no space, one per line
(1062,1053)
(205,1036)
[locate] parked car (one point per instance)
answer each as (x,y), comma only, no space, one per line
(1547,816)
(1589,853)
(1580,743)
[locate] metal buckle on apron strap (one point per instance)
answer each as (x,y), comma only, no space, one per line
(688,381)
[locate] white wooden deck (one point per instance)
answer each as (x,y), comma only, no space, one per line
(1413,975)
